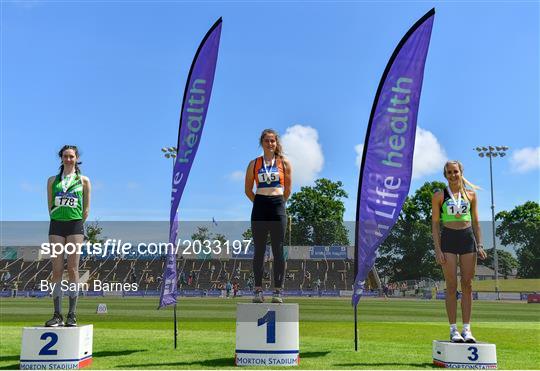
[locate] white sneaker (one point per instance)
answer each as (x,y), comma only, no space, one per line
(467,336)
(277,297)
(258,297)
(455,336)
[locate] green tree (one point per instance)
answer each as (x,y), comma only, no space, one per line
(520,227)
(317,214)
(221,238)
(202,234)
(408,251)
(247,235)
(506,261)
(93,233)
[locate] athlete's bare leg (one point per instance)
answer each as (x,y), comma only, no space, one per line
(450,276)
(467,263)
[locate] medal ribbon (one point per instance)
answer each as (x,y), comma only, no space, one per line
(268,172)
(67,181)
(457,203)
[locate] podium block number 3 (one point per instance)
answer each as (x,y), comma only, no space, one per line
(53,339)
(270,319)
(474,353)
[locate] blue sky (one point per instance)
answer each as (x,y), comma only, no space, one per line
(109,77)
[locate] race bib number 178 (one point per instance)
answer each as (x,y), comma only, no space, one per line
(66,201)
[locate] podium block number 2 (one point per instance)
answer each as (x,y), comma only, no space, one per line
(46,350)
(270,319)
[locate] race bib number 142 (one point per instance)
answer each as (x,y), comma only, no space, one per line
(452,208)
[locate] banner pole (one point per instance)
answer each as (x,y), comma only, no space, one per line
(375,168)
(175,328)
(199,82)
(356,328)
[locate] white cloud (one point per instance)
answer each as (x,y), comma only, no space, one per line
(30,188)
(525,159)
(429,156)
(302,147)
(28,4)
(359,148)
(236,176)
(133,185)
(97,185)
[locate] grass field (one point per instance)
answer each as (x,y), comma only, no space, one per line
(393,334)
(520,285)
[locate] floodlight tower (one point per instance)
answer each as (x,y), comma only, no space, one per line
(492,152)
(169,152)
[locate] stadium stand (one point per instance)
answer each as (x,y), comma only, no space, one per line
(201,274)
(206,274)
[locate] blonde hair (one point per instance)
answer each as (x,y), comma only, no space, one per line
(279,149)
(464,181)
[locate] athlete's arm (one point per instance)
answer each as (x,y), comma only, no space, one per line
(288,179)
(50,182)
(248,186)
(476,225)
(87,188)
(436,203)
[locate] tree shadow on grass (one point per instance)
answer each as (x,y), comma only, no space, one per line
(9,358)
(15,366)
(387,364)
(217,362)
(108,353)
(313,354)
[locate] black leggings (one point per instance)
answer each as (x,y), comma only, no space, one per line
(268,215)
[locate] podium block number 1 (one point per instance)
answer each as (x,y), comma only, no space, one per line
(270,319)
(46,350)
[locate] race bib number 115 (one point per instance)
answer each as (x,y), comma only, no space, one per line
(268,178)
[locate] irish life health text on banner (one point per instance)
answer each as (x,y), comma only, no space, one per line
(385,173)
(193,114)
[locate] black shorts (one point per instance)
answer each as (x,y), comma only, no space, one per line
(458,241)
(64,228)
(268,208)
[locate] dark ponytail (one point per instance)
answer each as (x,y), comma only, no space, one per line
(61,153)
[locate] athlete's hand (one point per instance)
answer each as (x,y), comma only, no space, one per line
(481,253)
(439,257)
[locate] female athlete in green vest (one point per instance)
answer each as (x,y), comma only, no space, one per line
(460,238)
(68,195)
